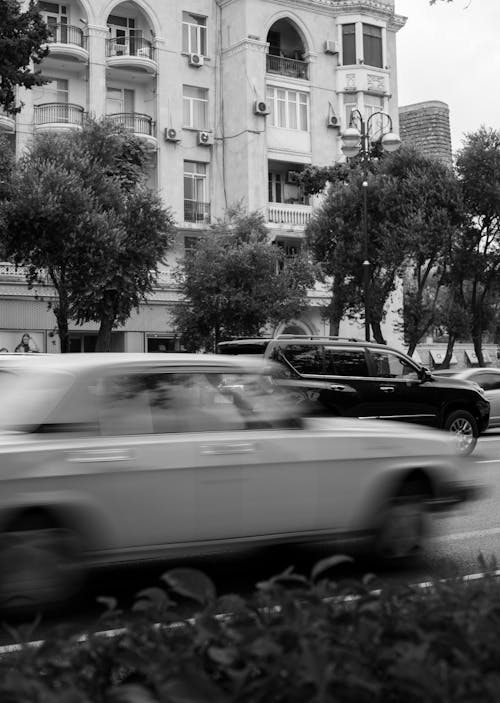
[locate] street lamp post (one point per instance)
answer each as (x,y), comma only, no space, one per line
(356,140)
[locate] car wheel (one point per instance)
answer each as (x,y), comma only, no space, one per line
(464,426)
(40,567)
(402,525)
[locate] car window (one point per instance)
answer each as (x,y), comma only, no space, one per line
(156,403)
(345,362)
(387,364)
(487,381)
(305,359)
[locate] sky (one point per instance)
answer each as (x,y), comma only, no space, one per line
(451,52)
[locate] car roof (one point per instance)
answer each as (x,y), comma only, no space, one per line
(466,372)
(297,339)
(80,361)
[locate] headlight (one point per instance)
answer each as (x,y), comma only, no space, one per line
(478,388)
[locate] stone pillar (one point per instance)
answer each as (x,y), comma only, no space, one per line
(96,93)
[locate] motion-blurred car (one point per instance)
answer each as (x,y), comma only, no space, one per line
(487,378)
(109,458)
(353,378)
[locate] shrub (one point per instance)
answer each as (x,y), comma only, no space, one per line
(295,640)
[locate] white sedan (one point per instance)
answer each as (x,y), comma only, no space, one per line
(107,458)
(488,378)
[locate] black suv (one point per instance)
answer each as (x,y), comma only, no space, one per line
(342,376)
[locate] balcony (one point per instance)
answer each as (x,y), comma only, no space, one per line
(58,117)
(68,42)
(141,125)
(131,53)
(290,215)
(7,123)
(196,212)
(292,68)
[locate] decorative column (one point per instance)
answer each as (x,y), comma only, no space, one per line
(96,90)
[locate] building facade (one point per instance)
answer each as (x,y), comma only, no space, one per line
(230,97)
(426,126)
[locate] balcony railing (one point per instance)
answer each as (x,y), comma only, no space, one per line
(287,67)
(59,113)
(134,121)
(285,214)
(129,46)
(66,34)
(195,211)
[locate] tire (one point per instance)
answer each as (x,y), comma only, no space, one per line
(463,424)
(402,524)
(40,567)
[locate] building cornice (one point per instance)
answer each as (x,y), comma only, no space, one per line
(246,44)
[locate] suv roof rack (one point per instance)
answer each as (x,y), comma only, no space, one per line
(316,336)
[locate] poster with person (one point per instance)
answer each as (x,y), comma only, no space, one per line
(21,342)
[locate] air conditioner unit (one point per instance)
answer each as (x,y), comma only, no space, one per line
(261,107)
(331,47)
(333,121)
(172,134)
(196,60)
(205,138)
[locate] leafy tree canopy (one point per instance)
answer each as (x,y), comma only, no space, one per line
(22,39)
(235,282)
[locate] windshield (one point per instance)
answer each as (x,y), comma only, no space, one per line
(29,396)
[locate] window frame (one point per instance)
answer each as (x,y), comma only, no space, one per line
(192,102)
(372,45)
(349,46)
(281,114)
(199,29)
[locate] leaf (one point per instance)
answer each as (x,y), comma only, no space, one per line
(130,693)
(193,687)
(152,598)
(191,583)
(329,563)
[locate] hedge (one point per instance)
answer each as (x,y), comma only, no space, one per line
(294,640)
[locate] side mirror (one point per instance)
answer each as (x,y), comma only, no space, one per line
(424,374)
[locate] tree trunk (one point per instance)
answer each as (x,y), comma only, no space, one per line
(449,352)
(103,343)
(61,315)
(377,332)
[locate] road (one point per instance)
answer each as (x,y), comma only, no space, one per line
(453,550)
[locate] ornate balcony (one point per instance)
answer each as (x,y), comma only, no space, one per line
(138,123)
(131,53)
(58,116)
(68,42)
(289,215)
(293,68)
(196,212)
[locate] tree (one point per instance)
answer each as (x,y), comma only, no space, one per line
(235,282)
(22,39)
(80,213)
(478,167)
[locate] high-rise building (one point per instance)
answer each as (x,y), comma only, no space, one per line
(426,126)
(230,96)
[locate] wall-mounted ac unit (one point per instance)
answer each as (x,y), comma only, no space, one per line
(172,134)
(260,107)
(196,60)
(331,47)
(205,138)
(333,121)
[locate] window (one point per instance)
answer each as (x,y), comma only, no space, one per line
(304,359)
(289,108)
(390,365)
(190,244)
(275,187)
(195,107)
(196,205)
(345,362)
(194,34)
(348,44)
(56,90)
(350,103)
(119,101)
(372,45)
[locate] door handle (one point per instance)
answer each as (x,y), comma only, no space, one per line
(229,448)
(337,388)
(387,389)
(93,455)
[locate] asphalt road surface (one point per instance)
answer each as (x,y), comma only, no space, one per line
(458,540)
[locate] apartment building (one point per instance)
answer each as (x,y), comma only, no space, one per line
(230,97)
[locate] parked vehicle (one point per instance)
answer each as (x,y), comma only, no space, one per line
(351,378)
(109,458)
(487,378)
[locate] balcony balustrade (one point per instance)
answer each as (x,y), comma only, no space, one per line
(196,211)
(293,68)
(57,114)
(129,45)
(66,34)
(136,122)
(286,214)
